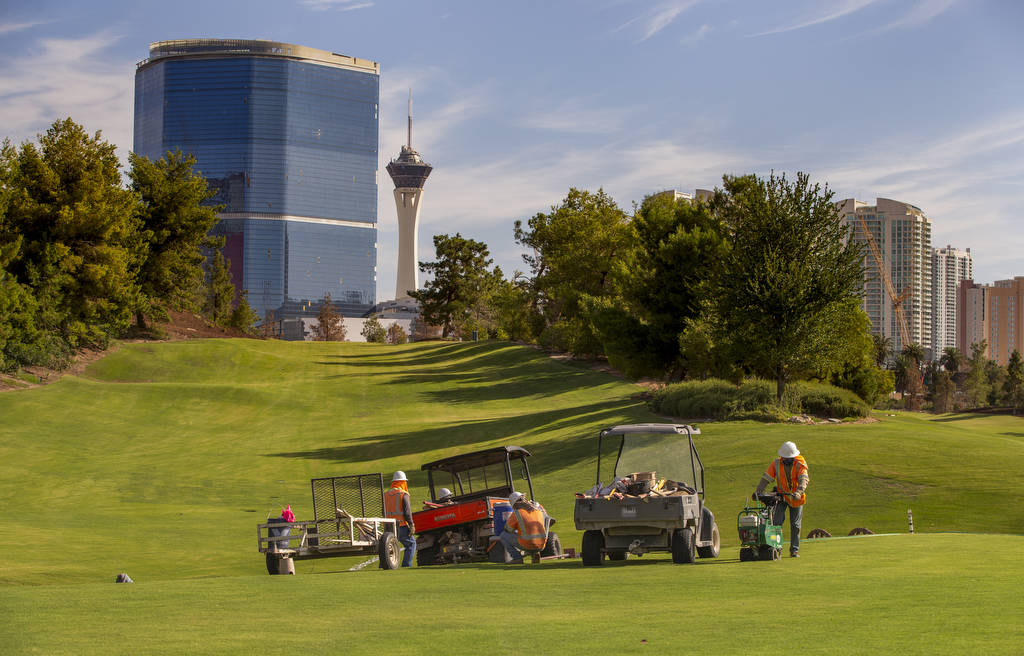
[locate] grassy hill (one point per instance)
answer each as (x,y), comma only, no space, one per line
(161,459)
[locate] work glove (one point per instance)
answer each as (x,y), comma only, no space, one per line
(412,529)
(795,496)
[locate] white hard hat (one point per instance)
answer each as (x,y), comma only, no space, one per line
(399,476)
(515,496)
(788,450)
(443,494)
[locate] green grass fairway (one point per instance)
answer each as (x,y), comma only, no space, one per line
(161,459)
(921,594)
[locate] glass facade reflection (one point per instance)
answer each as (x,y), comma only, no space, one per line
(287,137)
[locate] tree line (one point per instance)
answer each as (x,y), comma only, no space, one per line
(759,279)
(86,256)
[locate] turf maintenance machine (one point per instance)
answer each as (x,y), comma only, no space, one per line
(760,539)
(464,526)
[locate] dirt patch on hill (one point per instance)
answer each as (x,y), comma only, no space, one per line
(181,327)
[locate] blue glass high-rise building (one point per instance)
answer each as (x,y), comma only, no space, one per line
(287,137)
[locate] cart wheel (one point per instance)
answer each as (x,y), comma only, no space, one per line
(617,555)
(593,543)
(553,547)
(713,549)
(683,546)
(388,551)
(428,556)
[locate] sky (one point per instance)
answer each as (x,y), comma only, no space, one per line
(920,101)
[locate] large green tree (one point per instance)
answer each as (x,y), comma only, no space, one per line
(662,283)
(460,283)
(176,222)
(572,250)
(81,245)
(790,279)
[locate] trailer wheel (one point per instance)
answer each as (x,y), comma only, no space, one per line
(618,554)
(553,547)
(683,546)
(388,551)
(713,549)
(593,543)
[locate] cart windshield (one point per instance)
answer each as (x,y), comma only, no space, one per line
(668,455)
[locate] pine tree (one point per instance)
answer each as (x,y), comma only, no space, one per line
(373,331)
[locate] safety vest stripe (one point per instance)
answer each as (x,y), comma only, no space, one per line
(522,527)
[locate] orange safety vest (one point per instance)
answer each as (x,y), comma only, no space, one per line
(532,529)
(393,506)
(789,483)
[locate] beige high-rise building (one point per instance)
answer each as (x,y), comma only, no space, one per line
(903,235)
(971,315)
(949,267)
(1000,321)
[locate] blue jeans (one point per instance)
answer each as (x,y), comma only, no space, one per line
(409,542)
(511,542)
(795,515)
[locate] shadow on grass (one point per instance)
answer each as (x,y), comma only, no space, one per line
(505,430)
(426,356)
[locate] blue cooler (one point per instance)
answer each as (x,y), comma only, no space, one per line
(501,513)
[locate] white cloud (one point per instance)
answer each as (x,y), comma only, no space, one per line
(8,28)
(923,11)
(56,78)
(659,17)
(577,116)
(827,12)
(339,5)
(697,35)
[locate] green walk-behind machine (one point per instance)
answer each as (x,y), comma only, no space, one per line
(760,539)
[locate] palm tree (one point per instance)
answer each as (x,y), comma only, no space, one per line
(952,359)
(883,349)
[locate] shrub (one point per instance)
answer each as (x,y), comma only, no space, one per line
(754,399)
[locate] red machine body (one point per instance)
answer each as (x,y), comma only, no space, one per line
(456,513)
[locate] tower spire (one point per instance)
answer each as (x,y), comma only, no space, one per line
(410,119)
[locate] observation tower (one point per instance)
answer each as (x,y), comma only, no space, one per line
(409,172)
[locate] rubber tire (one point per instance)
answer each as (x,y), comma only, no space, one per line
(272,564)
(388,551)
(617,555)
(591,549)
(553,547)
(747,554)
(683,546)
(767,552)
(427,556)
(712,550)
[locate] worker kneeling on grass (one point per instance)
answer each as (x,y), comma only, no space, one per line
(526,528)
(789,471)
(398,507)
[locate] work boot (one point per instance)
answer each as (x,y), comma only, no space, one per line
(794,554)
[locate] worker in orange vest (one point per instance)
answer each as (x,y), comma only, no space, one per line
(526,528)
(789,471)
(397,506)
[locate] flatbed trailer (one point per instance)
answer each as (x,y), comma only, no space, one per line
(334,530)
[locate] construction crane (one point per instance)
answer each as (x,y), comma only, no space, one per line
(883,273)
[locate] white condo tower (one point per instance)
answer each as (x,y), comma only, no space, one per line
(408,172)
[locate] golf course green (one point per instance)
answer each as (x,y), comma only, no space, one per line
(161,458)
